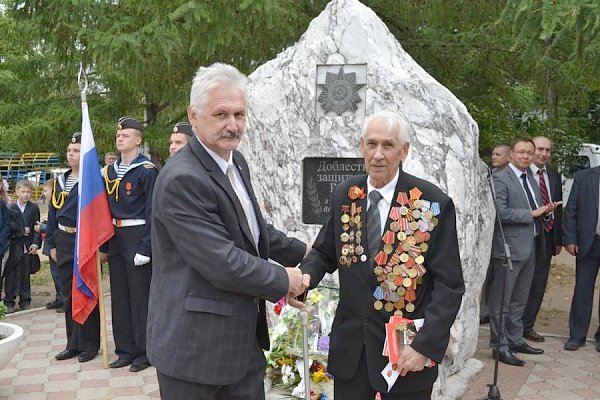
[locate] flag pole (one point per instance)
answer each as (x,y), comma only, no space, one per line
(83,85)
(103,338)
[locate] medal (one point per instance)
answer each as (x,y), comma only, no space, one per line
(128,188)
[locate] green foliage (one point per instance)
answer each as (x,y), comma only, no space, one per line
(3,309)
(522,67)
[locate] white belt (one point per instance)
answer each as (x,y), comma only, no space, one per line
(128,222)
(68,229)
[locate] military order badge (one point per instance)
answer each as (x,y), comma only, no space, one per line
(352,225)
(399,265)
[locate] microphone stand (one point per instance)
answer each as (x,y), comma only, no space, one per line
(494,392)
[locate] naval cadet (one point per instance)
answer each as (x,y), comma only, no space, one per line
(129,185)
(83,341)
(182,132)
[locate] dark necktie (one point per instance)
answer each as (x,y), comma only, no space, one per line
(545,199)
(529,195)
(374,223)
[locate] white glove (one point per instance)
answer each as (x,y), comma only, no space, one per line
(140,260)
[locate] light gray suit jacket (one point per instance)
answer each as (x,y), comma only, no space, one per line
(515,214)
(207,275)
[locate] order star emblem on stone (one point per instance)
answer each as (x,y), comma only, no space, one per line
(339,92)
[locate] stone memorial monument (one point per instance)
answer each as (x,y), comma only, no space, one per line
(311,101)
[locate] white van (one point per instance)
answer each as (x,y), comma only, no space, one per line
(588,156)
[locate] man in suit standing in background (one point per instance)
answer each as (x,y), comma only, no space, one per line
(210,245)
(582,240)
(550,243)
(520,211)
(388,266)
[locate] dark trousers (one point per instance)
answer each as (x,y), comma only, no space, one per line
(581,305)
(84,337)
(543,257)
(17,284)
(517,285)
(484,304)
(359,387)
(130,288)
(57,280)
(250,387)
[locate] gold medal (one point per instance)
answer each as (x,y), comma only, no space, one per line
(343,260)
(410,307)
(406,246)
(417,204)
(424,247)
(401,236)
(428,215)
(344,237)
(413,226)
(398,313)
(357,219)
(404,257)
(403,210)
(378,305)
(389,307)
(401,291)
(394,226)
(407,282)
(359,250)
(345,251)
(358,234)
(345,218)
(416,214)
(411,240)
(434,221)
(412,273)
(397,270)
(420,259)
(387,248)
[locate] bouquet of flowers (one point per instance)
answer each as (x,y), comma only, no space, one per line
(285,364)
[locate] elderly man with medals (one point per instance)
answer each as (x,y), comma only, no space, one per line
(392,238)
(83,341)
(129,185)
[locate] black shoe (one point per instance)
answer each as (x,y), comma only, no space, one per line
(598,346)
(507,357)
(60,310)
(86,356)
(485,319)
(120,363)
(138,367)
(526,349)
(66,354)
(25,307)
(10,309)
(574,344)
(54,305)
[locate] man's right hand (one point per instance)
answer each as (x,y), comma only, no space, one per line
(297,282)
(53,254)
(573,249)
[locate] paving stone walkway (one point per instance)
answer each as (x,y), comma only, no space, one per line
(34,374)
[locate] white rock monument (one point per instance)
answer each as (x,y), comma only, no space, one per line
(286,123)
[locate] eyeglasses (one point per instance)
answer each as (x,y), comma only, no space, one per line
(524,152)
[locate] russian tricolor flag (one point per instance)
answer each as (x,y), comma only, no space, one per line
(94,224)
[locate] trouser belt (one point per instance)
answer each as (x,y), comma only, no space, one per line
(128,222)
(68,229)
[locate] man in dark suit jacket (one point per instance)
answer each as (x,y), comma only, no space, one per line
(210,245)
(381,274)
(550,243)
(582,239)
(520,211)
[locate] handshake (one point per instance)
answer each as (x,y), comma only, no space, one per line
(298,285)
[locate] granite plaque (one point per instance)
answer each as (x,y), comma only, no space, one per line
(320,175)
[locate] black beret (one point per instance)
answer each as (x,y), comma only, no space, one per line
(128,123)
(76,137)
(183,127)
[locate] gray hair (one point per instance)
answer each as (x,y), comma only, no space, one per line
(393,122)
(209,78)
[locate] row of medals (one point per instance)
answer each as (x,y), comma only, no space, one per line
(400,275)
